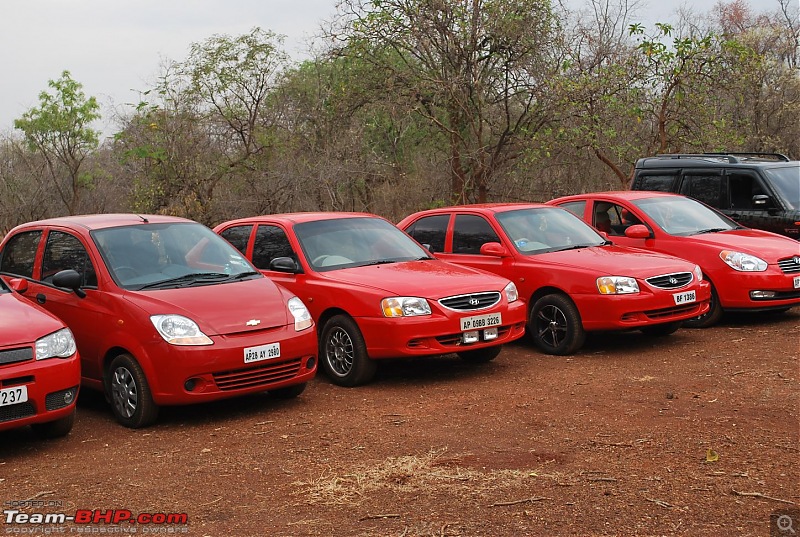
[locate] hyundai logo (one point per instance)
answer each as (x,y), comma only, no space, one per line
(796,259)
(673,281)
(473,301)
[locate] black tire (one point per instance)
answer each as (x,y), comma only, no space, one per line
(664,329)
(288,392)
(343,353)
(711,317)
(555,325)
(131,400)
(56,428)
(480,356)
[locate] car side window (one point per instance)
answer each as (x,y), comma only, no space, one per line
(470,233)
(64,251)
(575,207)
(706,188)
(613,219)
(20,253)
(742,188)
(430,231)
(271,242)
(660,182)
(238,236)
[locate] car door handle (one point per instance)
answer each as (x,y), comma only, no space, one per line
(40,298)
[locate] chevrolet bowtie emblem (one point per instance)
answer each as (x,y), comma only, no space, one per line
(253,322)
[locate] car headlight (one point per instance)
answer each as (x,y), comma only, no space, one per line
(405,306)
(698,273)
(511,292)
(179,330)
(617,285)
(59,344)
(743,262)
(302,317)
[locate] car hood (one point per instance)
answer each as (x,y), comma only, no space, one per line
(618,261)
(220,309)
(22,323)
(768,246)
(430,278)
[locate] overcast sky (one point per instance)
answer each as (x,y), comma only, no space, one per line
(115,48)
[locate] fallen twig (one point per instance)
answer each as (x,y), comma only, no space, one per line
(607,479)
(39,495)
(760,495)
(615,444)
(373,517)
(517,502)
(660,503)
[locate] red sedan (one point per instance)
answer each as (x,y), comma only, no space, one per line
(573,279)
(375,293)
(748,269)
(164,312)
(39,368)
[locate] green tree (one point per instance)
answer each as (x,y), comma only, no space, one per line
(59,129)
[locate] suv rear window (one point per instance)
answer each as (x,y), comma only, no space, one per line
(660,183)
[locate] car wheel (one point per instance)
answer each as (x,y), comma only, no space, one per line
(480,356)
(663,329)
(56,428)
(288,392)
(343,353)
(555,325)
(711,317)
(129,392)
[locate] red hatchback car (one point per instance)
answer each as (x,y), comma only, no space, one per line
(748,269)
(164,312)
(39,368)
(375,293)
(573,279)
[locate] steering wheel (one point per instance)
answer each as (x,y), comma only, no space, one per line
(319,259)
(126,272)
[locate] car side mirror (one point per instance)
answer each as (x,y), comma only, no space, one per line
(494,249)
(69,279)
(20,285)
(285,264)
(760,200)
(638,231)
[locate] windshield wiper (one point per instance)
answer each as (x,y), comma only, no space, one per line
(711,230)
(243,275)
(378,262)
(573,247)
(188,279)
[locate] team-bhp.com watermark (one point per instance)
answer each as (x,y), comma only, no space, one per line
(27,517)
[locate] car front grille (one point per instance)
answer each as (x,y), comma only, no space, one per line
(264,375)
(671,281)
(666,313)
(474,301)
(790,265)
(18,411)
(12,356)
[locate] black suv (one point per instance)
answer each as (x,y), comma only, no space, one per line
(757,190)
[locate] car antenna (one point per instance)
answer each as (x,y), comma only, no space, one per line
(145,220)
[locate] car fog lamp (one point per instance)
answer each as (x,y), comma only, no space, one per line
(471,337)
(762,294)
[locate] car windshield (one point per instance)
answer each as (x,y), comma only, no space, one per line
(178,254)
(682,216)
(786,180)
(353,242)
(547,229)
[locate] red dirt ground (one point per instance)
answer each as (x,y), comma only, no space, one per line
(691,434)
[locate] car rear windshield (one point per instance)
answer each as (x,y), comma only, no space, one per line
(786,180)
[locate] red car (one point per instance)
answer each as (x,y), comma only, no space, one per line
(39,368)
(164,312)
(573,279)
(748,269)
(375,293)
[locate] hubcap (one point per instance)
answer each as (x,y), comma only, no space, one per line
(124,392)
(339,351)
(551,326)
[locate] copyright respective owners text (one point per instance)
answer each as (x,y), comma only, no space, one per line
(51,517)
(784,522)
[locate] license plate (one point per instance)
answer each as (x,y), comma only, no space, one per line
(797,282)
(479,322)
(684,298)
(262,352)
(12,396)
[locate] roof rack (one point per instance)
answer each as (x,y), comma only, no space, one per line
(732,157)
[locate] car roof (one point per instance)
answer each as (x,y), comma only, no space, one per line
(101,221)
(486,207)
(626,195)
(731,160)
(297,218)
